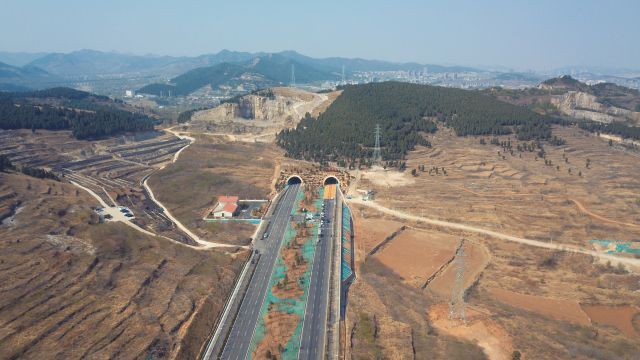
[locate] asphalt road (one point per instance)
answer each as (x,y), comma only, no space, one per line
(237,346)
(314,328)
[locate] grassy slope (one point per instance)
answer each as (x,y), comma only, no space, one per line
(210,168)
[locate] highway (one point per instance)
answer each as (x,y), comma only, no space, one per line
(239,340)
(312,342)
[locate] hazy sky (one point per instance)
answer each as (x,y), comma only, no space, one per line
(536,34)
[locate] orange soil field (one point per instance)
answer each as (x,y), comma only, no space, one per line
(476,259)
(371,231)
(417,255)
(620,317)
(559,309)
(490,336)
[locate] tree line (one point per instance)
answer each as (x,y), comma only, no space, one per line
(85,119)
(6,165)
(614,128)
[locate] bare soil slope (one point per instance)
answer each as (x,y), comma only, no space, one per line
(75,289)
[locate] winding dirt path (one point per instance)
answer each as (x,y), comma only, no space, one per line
(458,226)
(204,243)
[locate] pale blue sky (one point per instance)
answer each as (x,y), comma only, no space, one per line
(536,34)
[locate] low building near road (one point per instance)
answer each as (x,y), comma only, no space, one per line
(227,207)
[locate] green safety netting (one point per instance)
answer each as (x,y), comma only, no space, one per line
(289,305)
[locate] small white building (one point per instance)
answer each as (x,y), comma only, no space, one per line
(227,207)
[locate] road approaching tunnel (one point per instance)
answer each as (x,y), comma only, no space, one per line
(294,179)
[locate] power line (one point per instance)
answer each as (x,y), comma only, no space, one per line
(377,156)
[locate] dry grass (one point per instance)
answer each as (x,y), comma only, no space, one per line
(72,289)
(520,195)
(208,168)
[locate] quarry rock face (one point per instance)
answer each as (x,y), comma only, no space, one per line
(261,108)
(250,107)
(582,105)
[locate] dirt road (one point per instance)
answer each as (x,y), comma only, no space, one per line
(458,226)
(205,244)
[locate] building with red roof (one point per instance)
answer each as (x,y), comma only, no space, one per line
(227,207)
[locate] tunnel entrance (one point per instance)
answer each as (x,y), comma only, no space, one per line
(330,180)
(294,179)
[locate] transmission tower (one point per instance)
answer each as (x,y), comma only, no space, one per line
(344,82)
(377,157)
(293,75)
(456,306)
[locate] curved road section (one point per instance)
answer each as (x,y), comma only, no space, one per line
(239,339)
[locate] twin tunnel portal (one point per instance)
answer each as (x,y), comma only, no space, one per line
(329,180)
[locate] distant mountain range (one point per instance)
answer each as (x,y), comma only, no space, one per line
(14,78)
(87,63)
(259,72)
(187,73)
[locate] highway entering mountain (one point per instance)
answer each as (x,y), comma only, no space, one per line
(312,342)
(239,340)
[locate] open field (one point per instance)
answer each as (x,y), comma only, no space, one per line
(417,255)
(210,167)
(545,303)
(491,323)
(483,189)
(73,288)
(559,309)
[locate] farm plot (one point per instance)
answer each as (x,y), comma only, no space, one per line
(417,255)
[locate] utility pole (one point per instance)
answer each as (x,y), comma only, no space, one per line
(456,306)
(293,75)
(377,157)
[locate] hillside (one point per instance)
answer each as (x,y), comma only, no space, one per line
(334,64)
(603,102)
(14,77)
(87,115)
(260,72)
(344,132)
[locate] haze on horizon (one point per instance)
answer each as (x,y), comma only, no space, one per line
(538,35)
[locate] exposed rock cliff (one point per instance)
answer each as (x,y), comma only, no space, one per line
(580,105)
(262,113)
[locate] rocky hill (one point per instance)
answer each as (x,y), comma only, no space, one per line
(604,102)
(262,113)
